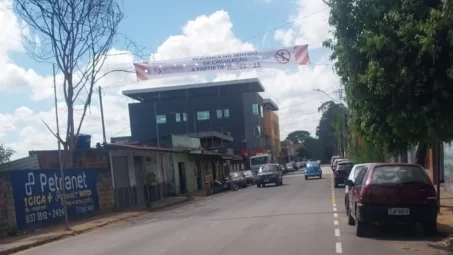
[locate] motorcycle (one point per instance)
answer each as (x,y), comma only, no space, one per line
(226,184)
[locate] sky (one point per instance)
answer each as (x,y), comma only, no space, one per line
(194,28)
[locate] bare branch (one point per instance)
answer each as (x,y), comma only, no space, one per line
(53,133)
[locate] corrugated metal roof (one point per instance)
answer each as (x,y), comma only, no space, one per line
(140,147)
(30,162)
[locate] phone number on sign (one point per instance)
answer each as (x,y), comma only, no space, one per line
(42,216)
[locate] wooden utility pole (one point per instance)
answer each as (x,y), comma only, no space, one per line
(60,157)
(102,115)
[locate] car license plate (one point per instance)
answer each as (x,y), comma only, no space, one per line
(398,211)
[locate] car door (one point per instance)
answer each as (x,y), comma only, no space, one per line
(354,193)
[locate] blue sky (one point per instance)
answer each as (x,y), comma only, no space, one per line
(151,23)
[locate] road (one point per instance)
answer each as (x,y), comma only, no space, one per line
(300,217)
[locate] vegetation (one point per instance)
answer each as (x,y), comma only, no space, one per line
(332,129)
(5,153)
(395,61)
(75,35)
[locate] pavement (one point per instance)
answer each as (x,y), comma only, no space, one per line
(300,217)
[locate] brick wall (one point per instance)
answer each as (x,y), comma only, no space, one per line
(7,211)
(105,190)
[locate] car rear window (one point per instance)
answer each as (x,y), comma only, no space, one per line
(399,175)
(312,164)
(345,166)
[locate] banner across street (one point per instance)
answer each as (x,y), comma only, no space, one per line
(293,55)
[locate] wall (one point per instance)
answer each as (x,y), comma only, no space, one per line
(7,210)
(30,162)
(185,142)
(272,130)
(251,121)
(190,171)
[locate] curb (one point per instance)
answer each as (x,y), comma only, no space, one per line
(190,198)
(62,236)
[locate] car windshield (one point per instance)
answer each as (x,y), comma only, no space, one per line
(259,160)
(235,174)
(312,164)
(399,175)
(345,166)
(248,173)
(269,168)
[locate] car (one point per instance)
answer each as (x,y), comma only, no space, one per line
(268,174)
(352,176)
(313,170)
(389,193)
(336,161)
(342,170)
(238,178)
(249,177)
(290,167)
(332,160)
(299,165)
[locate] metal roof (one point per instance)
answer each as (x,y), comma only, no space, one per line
(198,89)
(270,105)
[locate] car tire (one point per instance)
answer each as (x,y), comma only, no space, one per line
(336,185)
(306,178)
(281,182)
(351,221)
(430,227)
(258,185)
(320,177)
(360,229)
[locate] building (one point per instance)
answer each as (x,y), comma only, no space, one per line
(271,128)
(233,108)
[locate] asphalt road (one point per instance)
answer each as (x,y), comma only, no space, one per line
(300,217)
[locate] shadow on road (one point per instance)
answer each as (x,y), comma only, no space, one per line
(399,233)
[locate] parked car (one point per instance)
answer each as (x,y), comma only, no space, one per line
(239,179)
(332,161)
(387,193)
(290,167)
(313,170)
(299,165)
(268,174)
(249,177)
(352,176)
(342,170)
(336,161)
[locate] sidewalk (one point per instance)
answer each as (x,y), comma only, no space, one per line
(445,218)
(39,237)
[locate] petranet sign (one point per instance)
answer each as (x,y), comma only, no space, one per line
(239,61)
(38,195)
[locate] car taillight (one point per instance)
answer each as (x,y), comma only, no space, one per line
(431,194)
(366,195)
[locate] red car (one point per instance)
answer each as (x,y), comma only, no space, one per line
(392,193)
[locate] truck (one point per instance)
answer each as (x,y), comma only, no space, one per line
(259,160)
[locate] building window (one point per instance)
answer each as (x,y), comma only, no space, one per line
(219,114)
(203,115)
(161,119)
(184,117)
(226,113)
(181,117)
(255,109)
(261,111)
(178,117)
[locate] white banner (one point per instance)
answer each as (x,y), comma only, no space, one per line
(294,55)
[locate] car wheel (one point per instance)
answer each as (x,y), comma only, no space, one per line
(320,177)
(430,227)
(306,178)
(258,185)
(336,185)
(351,220)
(359,227)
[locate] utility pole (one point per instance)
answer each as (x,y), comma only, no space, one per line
(102,115)
(60,157)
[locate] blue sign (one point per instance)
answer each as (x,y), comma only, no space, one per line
(38,195)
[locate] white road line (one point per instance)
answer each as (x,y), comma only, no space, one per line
(335,215)
(335,222)
(201,204)
(337,232)
(338,248)
(334,209)
(334,205)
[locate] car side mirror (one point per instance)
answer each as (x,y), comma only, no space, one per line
(349,183)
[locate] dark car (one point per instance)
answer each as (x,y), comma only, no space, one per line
(392,193)
(249,176)
(342,170)
(332,161)
(239,179)
(268,174)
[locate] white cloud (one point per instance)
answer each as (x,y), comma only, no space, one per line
(292,89)
(308,26)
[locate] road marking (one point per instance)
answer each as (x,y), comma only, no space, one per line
(335,215)
(334,209)
(335,222)
(201,204)
(337,232)
(338,248)
(334,205)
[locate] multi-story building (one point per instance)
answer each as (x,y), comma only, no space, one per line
(233,108)
(271,128)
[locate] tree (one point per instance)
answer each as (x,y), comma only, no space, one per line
(311,149)
(331,128)
(395,61)
(298,136)
(75,35)
(5,153)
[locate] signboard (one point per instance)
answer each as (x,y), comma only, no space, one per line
(37,195)
(293,55)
